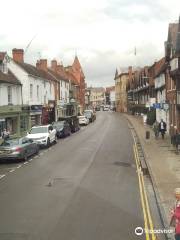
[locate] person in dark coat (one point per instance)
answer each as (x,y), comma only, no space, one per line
(162,128)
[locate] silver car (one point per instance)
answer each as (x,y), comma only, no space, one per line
(19,148)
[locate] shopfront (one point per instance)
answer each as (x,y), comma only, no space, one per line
(35,115)
(10,119)
(48,113)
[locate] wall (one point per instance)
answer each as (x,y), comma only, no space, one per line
(16,94)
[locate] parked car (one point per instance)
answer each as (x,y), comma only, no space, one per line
(43,135)
(98,108)
(73,122)
(19,148)
(83,120)
(90,114)
(106,108)
(62,129)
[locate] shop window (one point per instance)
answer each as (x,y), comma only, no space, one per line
(24,123)
(9,89)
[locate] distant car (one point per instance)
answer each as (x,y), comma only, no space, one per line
(19,148)
(106,108)
(43,135)
(83,120)
(97,108)
(62,129)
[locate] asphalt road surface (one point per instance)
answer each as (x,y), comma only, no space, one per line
(83,188)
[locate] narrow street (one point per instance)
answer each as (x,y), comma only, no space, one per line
(83,188)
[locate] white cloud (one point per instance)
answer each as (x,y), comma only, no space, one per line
(104,32)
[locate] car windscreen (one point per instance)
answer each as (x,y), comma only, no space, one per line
(38,130)
(87,114)
(58,124)
(10,143)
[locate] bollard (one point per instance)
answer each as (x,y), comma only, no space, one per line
(147,134)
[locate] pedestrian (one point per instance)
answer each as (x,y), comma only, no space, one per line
(162,128)
(156,129)
(5,134)
(175,215)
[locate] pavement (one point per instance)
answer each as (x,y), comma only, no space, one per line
(163,163)
(85,187)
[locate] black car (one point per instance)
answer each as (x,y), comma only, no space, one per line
(73,122)
(62,129)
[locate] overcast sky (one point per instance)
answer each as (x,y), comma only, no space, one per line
(103,33)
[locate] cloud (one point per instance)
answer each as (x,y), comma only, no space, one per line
(104,33)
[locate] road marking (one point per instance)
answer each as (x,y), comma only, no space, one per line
(2,176)
(19,166)
(143,194)
(12,170)
(25,163)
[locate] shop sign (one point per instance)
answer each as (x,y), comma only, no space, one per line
(157,105)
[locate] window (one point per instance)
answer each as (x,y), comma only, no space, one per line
(31,91)
(9,89)
(23,123)
(38,92)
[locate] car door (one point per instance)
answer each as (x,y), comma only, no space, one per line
(26,146)
(32,147)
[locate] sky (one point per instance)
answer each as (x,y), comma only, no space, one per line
(103,33)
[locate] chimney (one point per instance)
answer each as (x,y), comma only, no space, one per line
(54,65)
(18,55)
(60,68)
(42,64)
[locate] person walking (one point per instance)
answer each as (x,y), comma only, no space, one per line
(162,128)
(156,129)
(175,215)
(5,134)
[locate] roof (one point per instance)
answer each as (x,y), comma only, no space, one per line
(109,89)
(32,70)
(97,89)
(159,66)
(58,75)
(9,78)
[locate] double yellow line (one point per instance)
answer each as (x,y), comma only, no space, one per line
(148,224)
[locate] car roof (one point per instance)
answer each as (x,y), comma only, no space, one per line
(41,126)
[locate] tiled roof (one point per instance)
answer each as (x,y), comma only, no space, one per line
(58,75)
(159,67)
(9,78)
(109,89)
(32,70)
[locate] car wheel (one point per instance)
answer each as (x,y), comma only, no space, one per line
(37,150)
(55,140)
(48,143)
